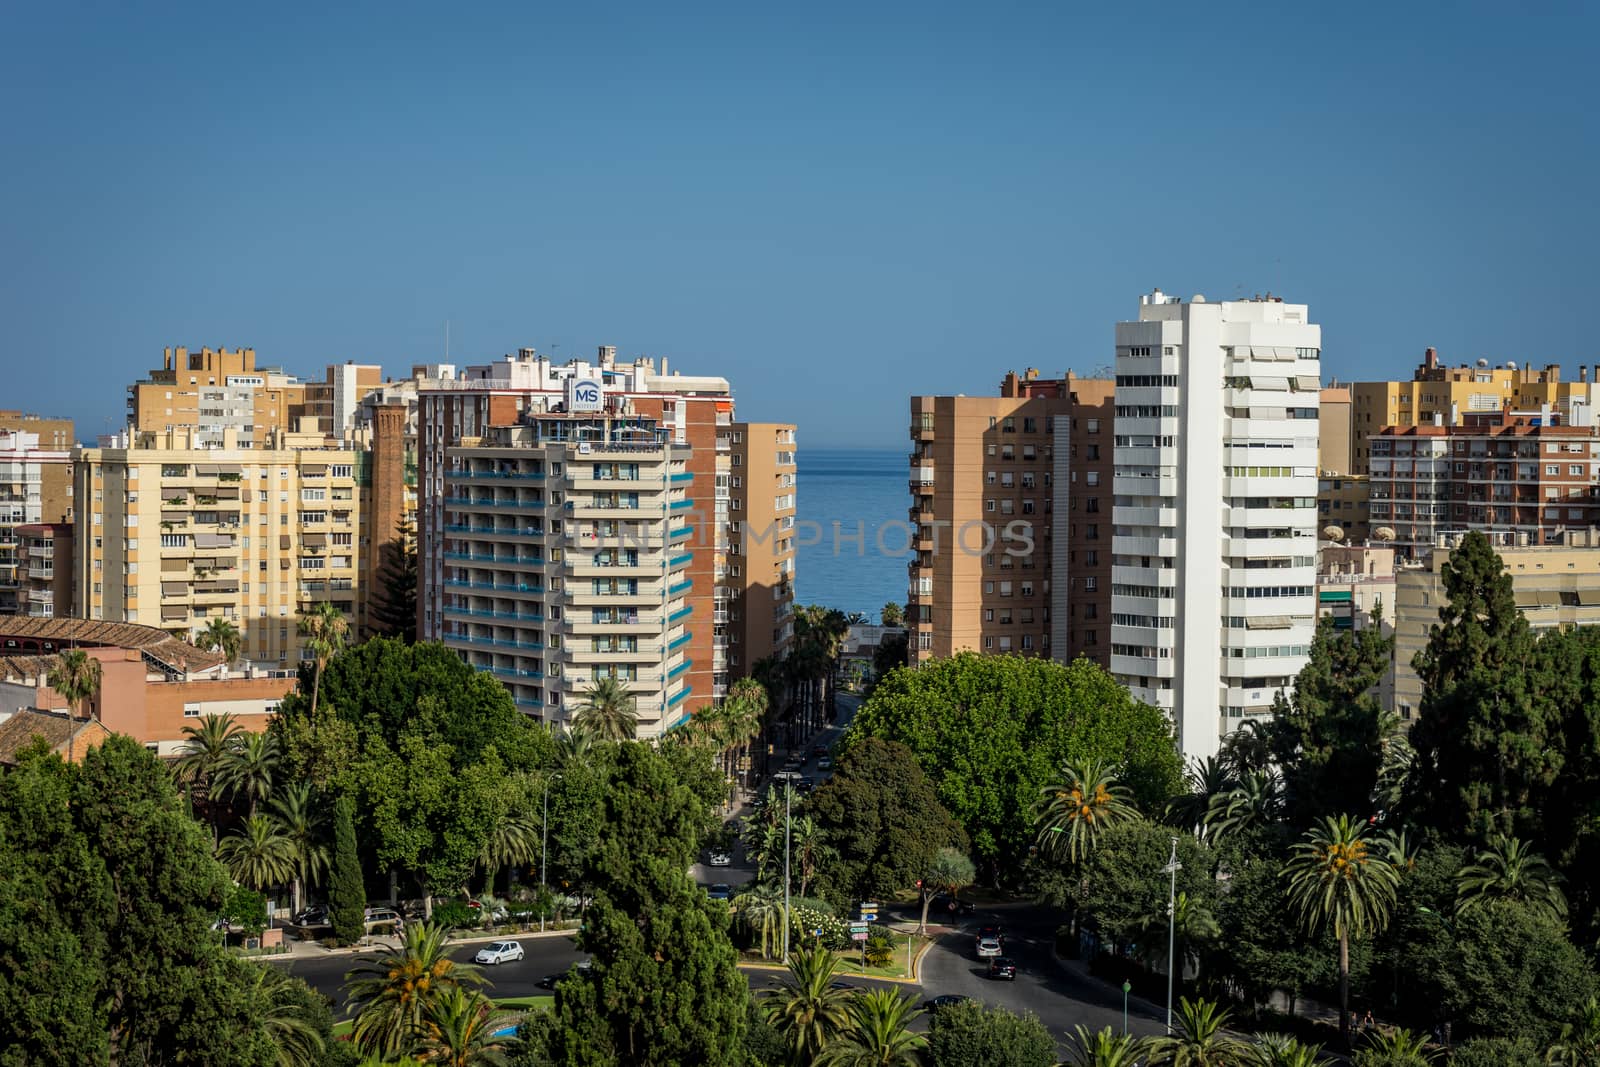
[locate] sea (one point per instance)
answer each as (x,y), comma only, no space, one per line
(854,535)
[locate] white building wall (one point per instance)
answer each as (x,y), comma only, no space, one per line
(1214,539)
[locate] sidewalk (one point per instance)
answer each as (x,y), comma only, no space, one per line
(300,950)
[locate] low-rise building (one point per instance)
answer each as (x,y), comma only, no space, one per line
(152,685)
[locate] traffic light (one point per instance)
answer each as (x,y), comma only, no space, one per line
(919,883)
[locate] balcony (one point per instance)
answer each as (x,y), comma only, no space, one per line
(476,641)
(467,476)
(922,431)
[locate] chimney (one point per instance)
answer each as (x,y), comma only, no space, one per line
(1583,373)
(663,366)
(1430,358)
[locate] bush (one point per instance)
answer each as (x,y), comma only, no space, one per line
(971,1035)
(880,948)
(1496,1052)
(807,917)
(455,915)
(246,910)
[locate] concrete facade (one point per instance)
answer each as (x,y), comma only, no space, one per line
(212,391)
(35,487)
(1214,566)
(754,612)
(44,567)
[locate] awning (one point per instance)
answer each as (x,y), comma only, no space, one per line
(174,588)
(313,540)
(213,540)
(1526,598)
(1307,382)
(1589,596)
(1268,622)
(284,541)
(1549,598)
(172,612)
(313,470)
(227,492)
(283,563)
(229,468)
(174,564)
(207,468)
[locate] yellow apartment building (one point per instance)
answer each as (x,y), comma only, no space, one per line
(754,611)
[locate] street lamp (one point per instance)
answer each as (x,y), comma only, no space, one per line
(1127,987)
(544,847)
(1172,868)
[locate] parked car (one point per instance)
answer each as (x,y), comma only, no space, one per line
(720,891)
(825,763)
(549,981)
(1002,967)
(499,952)
(988,947)
(377,918)
(944,1000)
(805,785)
(719,859)
(316,915)
(819,751)
(496,914)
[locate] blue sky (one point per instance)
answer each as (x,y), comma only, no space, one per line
(834,206)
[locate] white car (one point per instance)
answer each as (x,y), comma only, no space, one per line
(988,947)
(720,859)
(499,952)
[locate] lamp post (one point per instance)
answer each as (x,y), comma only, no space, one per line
(1127,987)
(544,847)
(788,793)
(1172,868)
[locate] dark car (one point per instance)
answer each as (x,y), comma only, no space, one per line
(991,933)
(317,915)
(819,751)
(720,891)
(549,981)
(953,906)
(1003,967)
(944,1000)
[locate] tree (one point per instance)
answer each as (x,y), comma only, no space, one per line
(1205,780)
(892,615)
(806,1008)
(1199,1038)
(1326,737)
(992,731)
(1074,810)
(890,654)
(303,823)
(1192,927)
(1257,951)
(972,1035)
(1397,1048)
(289,1014)
(808,850)
(951,871)
(221,635)
(347,895)
(1508,870)
(392,611)
(881,817)
(259,854)
(76,679)
(761,913)
(1579,1043)
(248,767)
(1105,1049)
(1255,803)
(459,1030)
(390,993)
(608,712)
(878,1035)
(1486,745)
(1281,1050)
(205,754)
(1338,881)
(324,628)
(513,839)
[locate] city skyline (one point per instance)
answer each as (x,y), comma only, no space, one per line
(852,196)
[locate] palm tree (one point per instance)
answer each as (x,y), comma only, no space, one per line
(1579,1045)
(608,712)
(1072,812)
(1336,879)
(303,823)
(248,767)
(1509,870)
(950,872)
(760,910)
(1192,925)
(76,679)
(512,840)
(806,1010)
(459,1030)
(220,635)
(808,849)
(1248,750)
(1281,1050)
(205,753)
(1403,852)
(279,1010)
(1198,1039)
(879,1034)
(1106,1049)
(1397,1048)
(259,854)
(390,993)
(1257,800)
(572,746)
(324,629)
(1205,780)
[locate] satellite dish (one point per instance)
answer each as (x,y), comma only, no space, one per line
(1383,533)
(1333,533)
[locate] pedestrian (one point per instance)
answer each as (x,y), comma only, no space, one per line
(1368,1023)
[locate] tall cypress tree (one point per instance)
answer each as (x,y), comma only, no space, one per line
(347,895)
(393,611)
(1487,744)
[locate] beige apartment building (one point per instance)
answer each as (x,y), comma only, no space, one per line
(753,617)
(212,391)
(35,487)
(1443,395)
(1555,585)
(1011,520)
(171,534)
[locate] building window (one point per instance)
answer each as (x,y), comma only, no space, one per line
(191,711)
(1092,425)
(1090,583)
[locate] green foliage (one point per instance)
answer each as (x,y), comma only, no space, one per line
(393,610)
(878,1034)
(1199,1037)
(608,712)
(1488,743)
(1507,870)
(892,615)
(246,909)
(1326,738)
(347,894)
(1258,950)
(1397,1048)
(1496,1052)
(971,1035)
(807,917)
(1122,884)
(1076,808)
(880,816)
(1105,1049)
(454,915)
(992,731)
(391,993)
(1512,973)
(806,1009)
(880,948)
(75,677)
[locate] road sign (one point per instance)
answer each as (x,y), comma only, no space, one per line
(858,937)
(867,905)
(858,928)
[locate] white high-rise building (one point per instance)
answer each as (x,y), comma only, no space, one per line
(1214,538)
